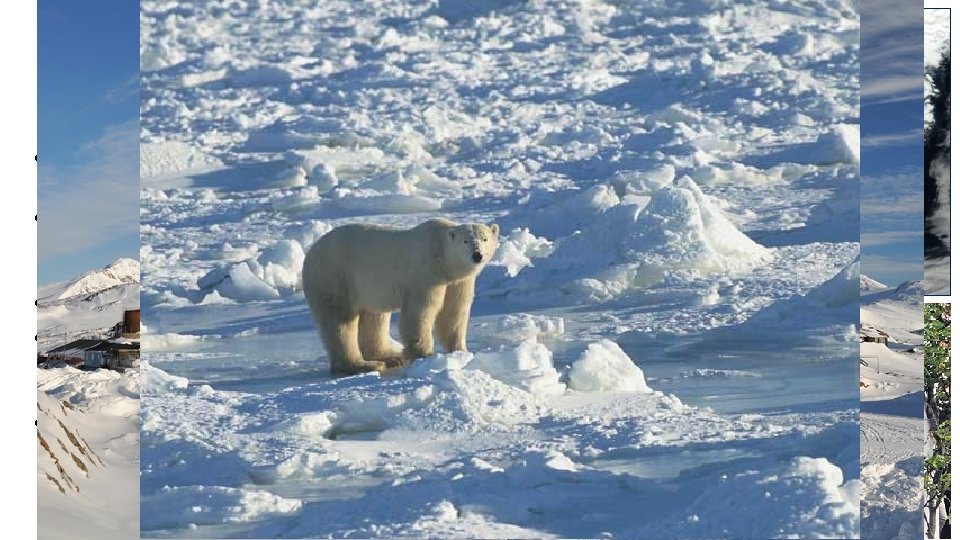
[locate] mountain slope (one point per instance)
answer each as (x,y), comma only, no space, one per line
(908,294)
(868,285)
(86,306)
(119,272)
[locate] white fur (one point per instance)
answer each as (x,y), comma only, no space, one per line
(355,276)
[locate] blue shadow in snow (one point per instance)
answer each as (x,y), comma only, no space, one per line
(908,405)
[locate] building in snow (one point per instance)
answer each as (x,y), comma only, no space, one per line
(97,353)
(120,352)
(129,327)
(869,334)
(73,353)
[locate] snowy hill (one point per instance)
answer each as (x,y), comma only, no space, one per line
(120,272)
(891,419)
(88,305)
(907,294)
(869,285)
(87,454)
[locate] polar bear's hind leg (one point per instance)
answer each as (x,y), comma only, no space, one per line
(340,334)
(375,342)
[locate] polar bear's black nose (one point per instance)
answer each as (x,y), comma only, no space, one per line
(477,256)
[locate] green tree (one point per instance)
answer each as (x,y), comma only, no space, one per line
(936,377)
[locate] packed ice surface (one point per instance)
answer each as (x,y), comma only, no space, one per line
(891,418)
(668,327)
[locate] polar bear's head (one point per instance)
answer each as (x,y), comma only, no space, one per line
(471,246)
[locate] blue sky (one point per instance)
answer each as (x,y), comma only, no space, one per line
(88,136)
(891,117)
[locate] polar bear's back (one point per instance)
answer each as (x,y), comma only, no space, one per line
(367,265)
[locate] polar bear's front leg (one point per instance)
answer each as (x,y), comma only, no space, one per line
(455,314)
(418,314)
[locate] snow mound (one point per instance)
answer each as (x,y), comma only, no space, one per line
(238,282)
(281,264)
(524,326)
(604,367)
(212,505)
(308,233)
(841,289)
(805,498)
(554,215)
(169,340)
(528,366)
(156,381)
(631,247)
(275,272)
(103,391)
(840,144)
(682,225)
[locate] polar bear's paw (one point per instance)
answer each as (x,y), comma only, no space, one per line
(346,370)
(394,362)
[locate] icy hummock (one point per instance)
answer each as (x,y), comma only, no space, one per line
(631,246)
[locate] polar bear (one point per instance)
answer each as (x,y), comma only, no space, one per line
(355,276)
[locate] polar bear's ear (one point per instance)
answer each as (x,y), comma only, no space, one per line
(495,229)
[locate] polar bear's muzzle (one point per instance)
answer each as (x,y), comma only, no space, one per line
(477,256)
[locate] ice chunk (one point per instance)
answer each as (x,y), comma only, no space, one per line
(515,253)
(156,381)
(282,263)
(605,367)
(524,327)
(528,366)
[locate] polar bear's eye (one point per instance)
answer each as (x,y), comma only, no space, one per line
(466,241)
